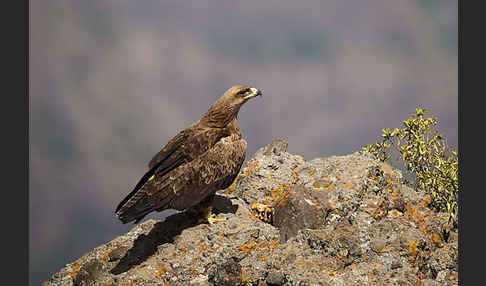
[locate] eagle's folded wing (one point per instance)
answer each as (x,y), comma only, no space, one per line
(216,169)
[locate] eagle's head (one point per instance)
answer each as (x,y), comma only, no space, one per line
(236,96)
(226,108)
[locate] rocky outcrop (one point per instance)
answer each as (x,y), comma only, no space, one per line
(341,220)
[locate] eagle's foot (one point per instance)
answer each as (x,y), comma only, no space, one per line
(211,219)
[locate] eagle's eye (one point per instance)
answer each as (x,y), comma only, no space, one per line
(243,92)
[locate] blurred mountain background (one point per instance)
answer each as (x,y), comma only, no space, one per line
(112,81)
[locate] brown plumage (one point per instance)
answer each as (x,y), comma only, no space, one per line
(200,160)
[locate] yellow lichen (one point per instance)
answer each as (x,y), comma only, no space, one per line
(250,169)
(383,249)
(248,246)
(312,173)
(274,243)
(203,246)
(160,270)
(244,279)
(412,248)
(394,213)
(426,201)
(294,175)
(232,186)
(75,270)
(411,210)
(421,219)
(194,272)
(436,238)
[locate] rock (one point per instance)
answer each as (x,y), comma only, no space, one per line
(201,280)
(377,244)
(296,211)
(341,220)
(89,274)
(275,278)
(118,253)
(429,282)
(277,146)
(227,274)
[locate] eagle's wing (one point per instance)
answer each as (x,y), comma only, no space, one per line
(167,155)
(183,148)
(214,170)
(189,183)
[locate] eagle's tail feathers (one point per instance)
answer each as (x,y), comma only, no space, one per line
(135,212)
(138,209)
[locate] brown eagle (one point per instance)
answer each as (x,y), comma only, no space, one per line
(200,160)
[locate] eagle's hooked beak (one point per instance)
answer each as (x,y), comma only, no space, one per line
(254,92)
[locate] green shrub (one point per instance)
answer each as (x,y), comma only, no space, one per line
(429,161)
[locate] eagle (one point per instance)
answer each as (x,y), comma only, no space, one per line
(201,159)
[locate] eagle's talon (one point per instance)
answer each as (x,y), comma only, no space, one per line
(211,219)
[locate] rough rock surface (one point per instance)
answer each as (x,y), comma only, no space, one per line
(341,220)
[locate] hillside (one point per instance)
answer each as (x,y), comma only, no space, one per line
(341,220)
